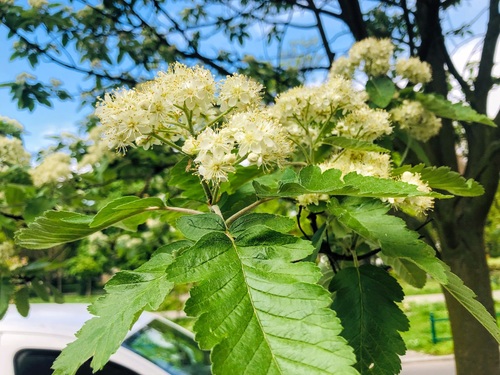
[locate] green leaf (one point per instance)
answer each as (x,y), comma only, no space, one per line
(406,270)
(123,208)
(466,297)
(54,228)
(370,220)
(380,90)
(454,111)
(40,289)
(58,227)
(354,144)
(442,178)
(312,180)
(6,290)
(21,299)
(275,222)
(365,303)
(128,294)
(194,227)
(258,309)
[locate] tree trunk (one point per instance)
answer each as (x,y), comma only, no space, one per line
(476,351)
(460,222)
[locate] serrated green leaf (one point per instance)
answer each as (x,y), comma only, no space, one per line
(369,218)
(443,178)
(58,227)
(101,336)
(365,303)
(21,299)
(6,290)
(275,222)
(123,208)
(466,297)
(380,90)
(454,111)
(193,227)
(354,144)
(312,180)
(258,311)
(406,270)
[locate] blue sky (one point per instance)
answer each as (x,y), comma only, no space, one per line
(64,116)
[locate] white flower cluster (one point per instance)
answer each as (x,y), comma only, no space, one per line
(220,125)
(252,136)
(416,120)
(414,205)
(307,112)
(415,70)
(365,163)
(12,153)
(97,150)
(364,123)
(373,55)
(53,169)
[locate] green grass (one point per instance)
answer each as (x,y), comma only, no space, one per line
(419,336)
(70,298)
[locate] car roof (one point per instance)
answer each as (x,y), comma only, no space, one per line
(51,318)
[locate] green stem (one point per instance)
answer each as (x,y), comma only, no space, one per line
(243,211)
(220,117)
(167,142)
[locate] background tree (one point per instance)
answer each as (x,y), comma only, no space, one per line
(125,42)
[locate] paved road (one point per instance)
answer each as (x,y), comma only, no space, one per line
(423,364)
(438,297)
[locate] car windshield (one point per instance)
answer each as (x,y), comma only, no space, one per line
(170,349)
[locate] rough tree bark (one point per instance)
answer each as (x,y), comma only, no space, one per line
(460,222)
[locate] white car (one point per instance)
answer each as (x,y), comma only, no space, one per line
(154,346)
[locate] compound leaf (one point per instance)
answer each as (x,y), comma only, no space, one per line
(365,303)
(312,180)
(128,294)
(58,227)
(454,111)
(259,310)
(369,219)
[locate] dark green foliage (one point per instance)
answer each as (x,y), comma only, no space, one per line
(365,303)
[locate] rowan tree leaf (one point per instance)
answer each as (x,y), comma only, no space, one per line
(123,208)
(406,270)
(443,178)
(312,180)
(380,90)
(365,303)
(369,219)
(259,310)
(21,299)
(128,294)
(354,144)
(58,227)
(193,227)
(467,298)
(454,111)
(6,290)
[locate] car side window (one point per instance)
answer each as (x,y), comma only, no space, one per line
(38,361)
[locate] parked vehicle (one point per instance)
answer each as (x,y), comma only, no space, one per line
(154,346)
